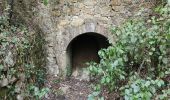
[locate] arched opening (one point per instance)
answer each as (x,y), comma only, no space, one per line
(82,49)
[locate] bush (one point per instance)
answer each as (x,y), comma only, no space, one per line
(141,47)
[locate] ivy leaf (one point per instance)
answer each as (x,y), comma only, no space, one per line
(133,39)
(90,97)
(135,88)
(1,67)
(165,60)
(147,83)
(107,79)
(96,93)
(115,63)
(45,2)
(103,80)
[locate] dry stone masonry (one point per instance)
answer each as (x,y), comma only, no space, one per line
(61,21)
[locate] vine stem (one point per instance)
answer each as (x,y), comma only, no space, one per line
(141,65)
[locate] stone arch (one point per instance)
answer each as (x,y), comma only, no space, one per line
(82,49)
(67,33)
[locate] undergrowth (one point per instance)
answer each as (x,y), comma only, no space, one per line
(20,77)
(137,65)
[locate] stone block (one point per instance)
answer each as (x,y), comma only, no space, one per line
(115,2)
(77,22)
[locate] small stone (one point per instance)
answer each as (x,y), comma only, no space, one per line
(81,5)
(118,8)
(90,2)
(56,13)
(105,11)
(85,75)
(64,22)
(77,22)
(4,82)
(61,97)
(76,11)
(65,89)
(9,59)
(19,97)
(87,16)
(116,2)
(12,80)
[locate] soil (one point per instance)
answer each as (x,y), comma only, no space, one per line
(68,89)
(73,89)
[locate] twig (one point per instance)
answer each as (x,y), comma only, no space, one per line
(141,65)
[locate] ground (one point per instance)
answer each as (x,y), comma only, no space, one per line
(73,89)
(68,89)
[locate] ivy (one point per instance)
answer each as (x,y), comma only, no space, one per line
(45,2)
(17,69)
(141,51)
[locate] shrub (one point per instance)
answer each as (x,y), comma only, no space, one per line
(141,47)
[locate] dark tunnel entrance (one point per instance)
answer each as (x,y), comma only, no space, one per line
(84,48)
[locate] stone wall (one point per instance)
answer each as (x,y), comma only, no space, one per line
(63,20)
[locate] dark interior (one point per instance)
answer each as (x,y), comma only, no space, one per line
(84,48)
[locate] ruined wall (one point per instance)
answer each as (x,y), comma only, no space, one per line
(75,17)
(63,20)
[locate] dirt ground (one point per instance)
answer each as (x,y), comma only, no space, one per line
(68,89)
(73,89)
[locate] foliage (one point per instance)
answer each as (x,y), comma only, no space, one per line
(45,2)
(141,89)
(94,96)
(17,70)
(164,96)
(141,47)
(36,92)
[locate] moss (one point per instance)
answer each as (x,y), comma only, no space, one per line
(3,93)
(3,5)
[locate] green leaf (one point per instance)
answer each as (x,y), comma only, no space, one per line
(91,97)
(165,60)
(150,53)
(133,39)
(147,83)
(103,80)
(107,79)
(1,67)
(45,2)
(96,93)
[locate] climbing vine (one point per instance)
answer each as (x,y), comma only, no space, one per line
(137,66)
(20,77)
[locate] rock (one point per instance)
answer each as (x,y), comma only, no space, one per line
(75,73)
(105,11)
(87,16)
(64,89)
(10,59)
(22,77)
(90,2)
(118,8)
(127,2)
(4,82)
(20,97)
(12,80)
(85,75)
(76,11)
(77,22)
(81,5)
(63,22)
(61,97)
(115,2)
(56,13)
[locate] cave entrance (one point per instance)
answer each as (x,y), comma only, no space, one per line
(82,49)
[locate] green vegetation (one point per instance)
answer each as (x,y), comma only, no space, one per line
(137,66)
(45,2)
(21,76)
